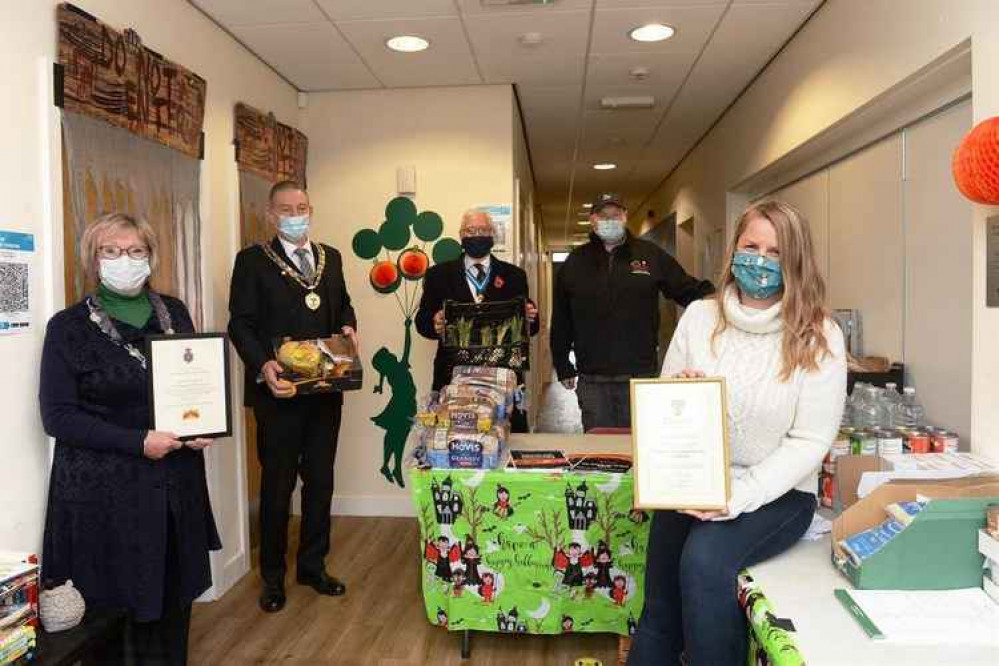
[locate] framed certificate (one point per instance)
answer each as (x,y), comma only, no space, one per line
(189,392)
(679,433)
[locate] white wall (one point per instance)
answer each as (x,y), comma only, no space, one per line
(31,201)
(845,58)
(461,142)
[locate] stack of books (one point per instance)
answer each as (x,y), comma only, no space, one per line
(988,546)
(18,606)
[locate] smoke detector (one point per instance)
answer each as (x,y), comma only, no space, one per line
(639,73)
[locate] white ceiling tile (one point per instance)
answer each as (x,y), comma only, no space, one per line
(329,76)
(693,26)
(470,7)
(448,61)
(354,10)
(665,70)
(558,60)
(232,13)
(297,43)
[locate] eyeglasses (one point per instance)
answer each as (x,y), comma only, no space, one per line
(113,252)
(477,232)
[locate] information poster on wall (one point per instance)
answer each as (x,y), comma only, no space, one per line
(17,251)
(502,215)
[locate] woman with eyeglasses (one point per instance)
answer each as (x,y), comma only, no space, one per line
(129,519)
(768,333)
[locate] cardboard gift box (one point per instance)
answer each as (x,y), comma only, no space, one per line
(320,365)
(938,550)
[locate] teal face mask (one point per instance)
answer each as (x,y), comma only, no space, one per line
(758,277)
(294,227)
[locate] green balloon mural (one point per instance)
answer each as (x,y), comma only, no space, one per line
(398,263)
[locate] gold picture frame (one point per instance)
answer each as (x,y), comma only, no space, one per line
(715,490)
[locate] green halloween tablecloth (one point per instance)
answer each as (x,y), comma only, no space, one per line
(530,552)
(550,553)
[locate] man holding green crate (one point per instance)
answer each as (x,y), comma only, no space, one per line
(474,277)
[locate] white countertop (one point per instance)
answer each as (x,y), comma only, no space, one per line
(800,584)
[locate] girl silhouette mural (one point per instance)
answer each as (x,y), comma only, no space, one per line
(397,417)
(398,251)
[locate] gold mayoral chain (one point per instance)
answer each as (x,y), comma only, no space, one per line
(312,299)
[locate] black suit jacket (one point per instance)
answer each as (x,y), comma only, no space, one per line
(447,282)
(265,305)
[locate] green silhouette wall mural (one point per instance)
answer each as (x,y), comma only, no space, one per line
(398,253)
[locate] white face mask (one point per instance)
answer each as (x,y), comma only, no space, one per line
(124,275)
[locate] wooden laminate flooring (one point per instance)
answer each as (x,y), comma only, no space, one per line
(380,622)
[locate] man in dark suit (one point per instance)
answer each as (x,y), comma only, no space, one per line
(290,287)
(475,276)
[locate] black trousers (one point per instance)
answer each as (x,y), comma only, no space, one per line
(296,438)
(603,404)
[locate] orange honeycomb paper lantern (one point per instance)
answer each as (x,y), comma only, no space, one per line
(975,164)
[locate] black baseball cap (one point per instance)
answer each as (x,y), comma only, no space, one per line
(607,199)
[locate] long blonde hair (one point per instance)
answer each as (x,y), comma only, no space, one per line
(804,310)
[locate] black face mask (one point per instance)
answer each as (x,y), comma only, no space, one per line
(477,247)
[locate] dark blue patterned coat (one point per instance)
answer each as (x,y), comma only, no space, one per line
(107,519)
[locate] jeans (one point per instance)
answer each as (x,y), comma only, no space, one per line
(604,404)
(691,601)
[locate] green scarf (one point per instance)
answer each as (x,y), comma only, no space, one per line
(133,310)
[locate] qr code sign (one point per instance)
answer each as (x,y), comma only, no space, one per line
(13,287)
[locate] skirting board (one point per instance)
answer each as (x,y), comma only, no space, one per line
(373,505)
(363,505)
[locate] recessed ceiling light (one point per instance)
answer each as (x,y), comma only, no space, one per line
(605,166)
(408,44)
(587,206)
(583,223)
(652,32)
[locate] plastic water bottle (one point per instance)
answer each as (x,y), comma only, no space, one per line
(892,400)
(909,413)
(882,408)
(847,420)
(866,411)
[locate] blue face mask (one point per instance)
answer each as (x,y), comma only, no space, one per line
(758,277)
(294,227)
(610,229)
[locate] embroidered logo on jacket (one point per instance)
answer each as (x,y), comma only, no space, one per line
(640,267)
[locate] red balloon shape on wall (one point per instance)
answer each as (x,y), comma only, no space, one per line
(384,277)
(975,164)
(413,263)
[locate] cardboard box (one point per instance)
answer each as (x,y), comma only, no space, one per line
(939,548)
(851,468)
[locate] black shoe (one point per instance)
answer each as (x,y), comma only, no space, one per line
(272,598)
(323,584)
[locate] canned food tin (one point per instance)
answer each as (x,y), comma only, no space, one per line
(863,443)
(919,442)
(889,442)
(942,441)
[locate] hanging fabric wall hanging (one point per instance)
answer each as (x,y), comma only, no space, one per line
(132,131)
(266,152)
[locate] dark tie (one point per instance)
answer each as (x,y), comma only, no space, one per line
(480,272)
(305,263)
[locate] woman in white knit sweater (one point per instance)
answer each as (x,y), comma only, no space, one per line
(769,335)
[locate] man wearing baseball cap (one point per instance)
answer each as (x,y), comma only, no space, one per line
(606,310)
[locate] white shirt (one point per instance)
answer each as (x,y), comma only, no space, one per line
(779,431)
(485,262)
(291,248)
